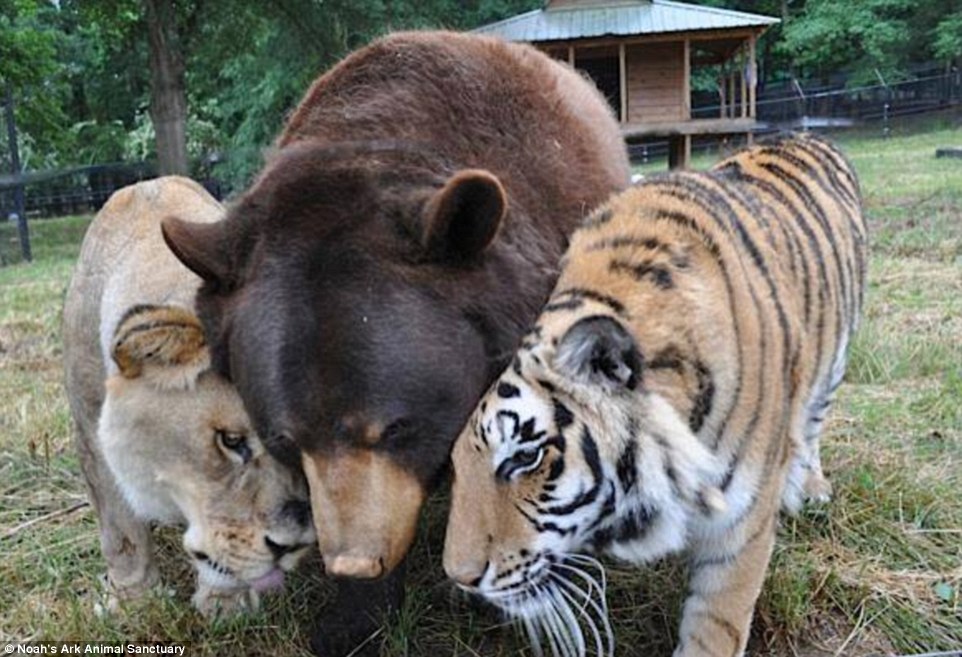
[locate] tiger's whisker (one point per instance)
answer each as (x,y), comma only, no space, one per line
(546,628)
(587,559)
(601,610)
(555,622)
(570,620)
(592,583)
(595,632)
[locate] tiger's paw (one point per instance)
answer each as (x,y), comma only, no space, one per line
(818,489)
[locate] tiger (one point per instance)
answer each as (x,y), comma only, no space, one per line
(669,398)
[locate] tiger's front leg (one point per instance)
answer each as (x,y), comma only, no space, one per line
(725,580)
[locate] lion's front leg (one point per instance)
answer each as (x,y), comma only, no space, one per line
(125,540)
(725,580)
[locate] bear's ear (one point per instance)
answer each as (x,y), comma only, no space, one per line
(201,247)
(163,344)
(599,351)
(462,219)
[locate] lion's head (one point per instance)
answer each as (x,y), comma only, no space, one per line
(182,450)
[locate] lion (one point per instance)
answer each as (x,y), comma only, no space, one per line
(161,437)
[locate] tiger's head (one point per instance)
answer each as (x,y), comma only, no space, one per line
(571,451)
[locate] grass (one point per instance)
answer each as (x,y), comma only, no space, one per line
(877,571)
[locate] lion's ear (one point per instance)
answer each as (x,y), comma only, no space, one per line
(163,344)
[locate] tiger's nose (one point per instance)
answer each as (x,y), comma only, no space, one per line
(466,574)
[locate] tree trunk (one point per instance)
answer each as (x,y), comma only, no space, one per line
(168,96)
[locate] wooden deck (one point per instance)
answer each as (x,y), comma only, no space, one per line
(691,127)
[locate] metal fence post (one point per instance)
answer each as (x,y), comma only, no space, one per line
(18,191)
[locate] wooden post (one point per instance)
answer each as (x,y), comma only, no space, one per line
(679,151)
(623,82)
(731,94)
(20,207)
(741,73)
(722,100)
(753,83)
(686,91)
(571,56)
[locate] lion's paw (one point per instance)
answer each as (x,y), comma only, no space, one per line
(213,602)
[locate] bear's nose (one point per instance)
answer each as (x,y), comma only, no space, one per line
(347,565)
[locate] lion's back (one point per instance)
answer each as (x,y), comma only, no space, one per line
(123,262)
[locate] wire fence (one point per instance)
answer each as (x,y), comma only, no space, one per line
(789,104)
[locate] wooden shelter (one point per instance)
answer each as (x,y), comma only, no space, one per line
(641,54)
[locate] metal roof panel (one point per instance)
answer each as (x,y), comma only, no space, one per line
(646,17)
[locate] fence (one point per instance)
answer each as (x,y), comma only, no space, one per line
(785,105)
(791,104)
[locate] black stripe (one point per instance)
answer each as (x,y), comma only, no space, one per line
(658,274)
(620,241)
(583,293)
(627,467)
(563,417)
(704,397)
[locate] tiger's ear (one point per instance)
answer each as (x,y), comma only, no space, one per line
(163,344)
(599,351)
(462,219)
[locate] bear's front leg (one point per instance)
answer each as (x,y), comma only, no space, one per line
(349,625)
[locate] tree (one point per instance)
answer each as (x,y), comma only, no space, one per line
(168,93)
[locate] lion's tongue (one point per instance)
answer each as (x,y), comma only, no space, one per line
(272,580)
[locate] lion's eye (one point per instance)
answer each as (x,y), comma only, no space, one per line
(234,442)
(520,462)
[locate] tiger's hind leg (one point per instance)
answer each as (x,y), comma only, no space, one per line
(806,480)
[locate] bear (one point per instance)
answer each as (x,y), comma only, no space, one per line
(380,270)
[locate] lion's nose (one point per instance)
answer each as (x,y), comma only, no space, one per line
(280,549)
(299,511)
(347,565)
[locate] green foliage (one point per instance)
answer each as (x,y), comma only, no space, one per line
(872,37)
(28,46)
(869,34)
(80,76)
(948,38)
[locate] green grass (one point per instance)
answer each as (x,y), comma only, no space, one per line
(877,571)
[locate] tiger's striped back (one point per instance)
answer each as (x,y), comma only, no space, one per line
(811,197)
(670,395)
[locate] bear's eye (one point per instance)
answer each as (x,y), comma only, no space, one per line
(520,462)
(234,442)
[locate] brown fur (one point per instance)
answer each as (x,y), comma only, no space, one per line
(422,194)
(680,372)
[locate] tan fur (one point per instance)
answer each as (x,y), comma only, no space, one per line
(364,495)
(148,413)
(738,291)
